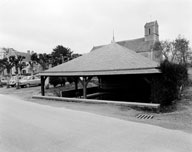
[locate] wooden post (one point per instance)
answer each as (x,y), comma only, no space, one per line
(43,85)
(100,87)
(84,88)
(85,83)
(99,81)
(76,87)
(76,84)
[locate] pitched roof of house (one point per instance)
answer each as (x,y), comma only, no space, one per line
(12,52)
(111,59)
(137,45)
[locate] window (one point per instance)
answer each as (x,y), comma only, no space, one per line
(149,31)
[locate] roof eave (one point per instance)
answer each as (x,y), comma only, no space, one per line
(100,73)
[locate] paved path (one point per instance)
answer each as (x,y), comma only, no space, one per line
(30,127)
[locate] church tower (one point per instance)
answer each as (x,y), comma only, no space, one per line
(152,31)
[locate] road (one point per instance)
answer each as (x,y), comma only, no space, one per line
(31,127)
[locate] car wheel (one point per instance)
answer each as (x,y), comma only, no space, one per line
(27,85)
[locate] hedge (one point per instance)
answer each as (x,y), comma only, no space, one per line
(57,80)
(60,80)
(169,85)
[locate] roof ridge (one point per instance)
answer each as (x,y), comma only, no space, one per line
(119,41)
(132,39)
(152,67)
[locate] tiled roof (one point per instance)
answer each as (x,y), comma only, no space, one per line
(13,52)
(107,60)
(26,55)
(137,45)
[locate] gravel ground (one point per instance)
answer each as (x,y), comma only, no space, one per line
(180,118)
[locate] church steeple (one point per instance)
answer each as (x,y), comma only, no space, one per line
(152,31)
(113,40)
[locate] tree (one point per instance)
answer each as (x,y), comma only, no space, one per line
(169,86)
(75,55)
(42,59)
(8,64)
(181,49)
(176,51)
(19,65)
(60,55)
(1,68)
(32,62)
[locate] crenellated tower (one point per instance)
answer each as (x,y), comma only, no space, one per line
(152,31)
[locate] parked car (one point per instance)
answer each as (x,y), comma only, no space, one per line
(28,81)
(13,80)
(3,81)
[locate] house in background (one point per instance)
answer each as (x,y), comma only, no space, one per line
(144,45)
(2,53)
(7,52)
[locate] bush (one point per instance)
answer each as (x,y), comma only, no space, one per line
(169,85)
(60,80)
(69,79)
(57,80)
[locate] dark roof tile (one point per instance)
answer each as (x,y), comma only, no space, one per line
(137,45)
(109,59)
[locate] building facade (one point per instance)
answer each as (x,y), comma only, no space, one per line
(143,45)
(2,53)
(7,52)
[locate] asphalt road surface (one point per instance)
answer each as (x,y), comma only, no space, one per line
(31,127)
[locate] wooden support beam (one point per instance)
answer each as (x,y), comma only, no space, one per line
(85,83)
(76,86)
(84,88)
(43,78)
(99,81)
(88,79)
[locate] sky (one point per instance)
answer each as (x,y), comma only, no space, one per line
(41,25)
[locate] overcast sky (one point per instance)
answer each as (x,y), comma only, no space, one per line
(41,25)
